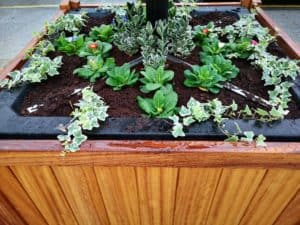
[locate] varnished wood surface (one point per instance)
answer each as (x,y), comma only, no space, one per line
(150,153)
(148,196)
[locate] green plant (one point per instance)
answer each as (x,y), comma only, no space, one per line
(162,105)
(154,79)
(223,66)
(200,33)
(241,48)
(69,22)
(96,48)
(118,77)
(204,77)
(70,46)
(154,44)
(90,110)
(13,79)
(213,46)
(96,67)
(43,48)
(127,30)
(103,33)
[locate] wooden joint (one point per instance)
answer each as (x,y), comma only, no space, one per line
(75,4)
(65,5)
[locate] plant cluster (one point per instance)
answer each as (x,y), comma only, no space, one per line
(154,79)
(39,68)
(102,33)
(90,110)
(96,67)
(196,111)
(96,48)
(69,45)
(121,76)
(127,29)
(162,105)
(69,22)
(42,47)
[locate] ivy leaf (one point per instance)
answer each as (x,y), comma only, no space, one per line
(260,141)
(249,135)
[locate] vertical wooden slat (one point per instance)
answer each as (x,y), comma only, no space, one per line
(156,191)
(81,189)
(8,215)
(43,188)
(19,199)
(233,195)
(119,190)
(291,214)
(275,192)
(195,191)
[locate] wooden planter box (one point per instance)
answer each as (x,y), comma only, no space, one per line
(151,182)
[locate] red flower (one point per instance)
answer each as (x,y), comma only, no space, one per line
(205,31)
(93,46)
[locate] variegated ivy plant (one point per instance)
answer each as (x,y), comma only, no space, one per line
(90,110)
(39,68)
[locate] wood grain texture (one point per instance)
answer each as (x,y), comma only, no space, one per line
(272,197)
(120,194)
(152,153)
(8,215)
(156,191)
(233,195)
(18,199)
(44,190)
(81,189)
(291,214)
(195,192)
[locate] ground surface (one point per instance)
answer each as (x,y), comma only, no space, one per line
(19,19)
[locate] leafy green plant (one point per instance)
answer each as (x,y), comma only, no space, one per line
(43,48)
(154,79)
(200,33)
(162,105)
(69,22)
(223,66)
(127,30)
(204,77)
(96,48)
(96,67)
(118,77)
(103,33)
(241,48)
(13,79)
(90,110)
(70,46)
(213,46)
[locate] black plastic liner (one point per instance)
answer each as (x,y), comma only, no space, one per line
(14,125)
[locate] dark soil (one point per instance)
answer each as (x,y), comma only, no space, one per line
(221,19)
(55,93)
(94,21)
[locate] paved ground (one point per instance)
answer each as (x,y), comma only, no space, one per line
(18,21)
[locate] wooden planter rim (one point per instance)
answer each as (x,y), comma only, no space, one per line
(155,153)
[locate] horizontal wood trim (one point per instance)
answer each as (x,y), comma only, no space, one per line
(152,153)
(291,48)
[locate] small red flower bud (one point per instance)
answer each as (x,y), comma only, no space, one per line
(93,46)
(205,31)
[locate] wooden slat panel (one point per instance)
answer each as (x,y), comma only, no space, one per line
(233,195)
(156,191)
(43,188)
(195,192)
(18,198)
(81,189)
(119,190)
(291,214)
(273,195)
(8,215)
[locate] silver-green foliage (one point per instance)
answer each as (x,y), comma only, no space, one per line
(197,112)
(127,30)
(43,48)
(39,69)
(90,110)
(69,22)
